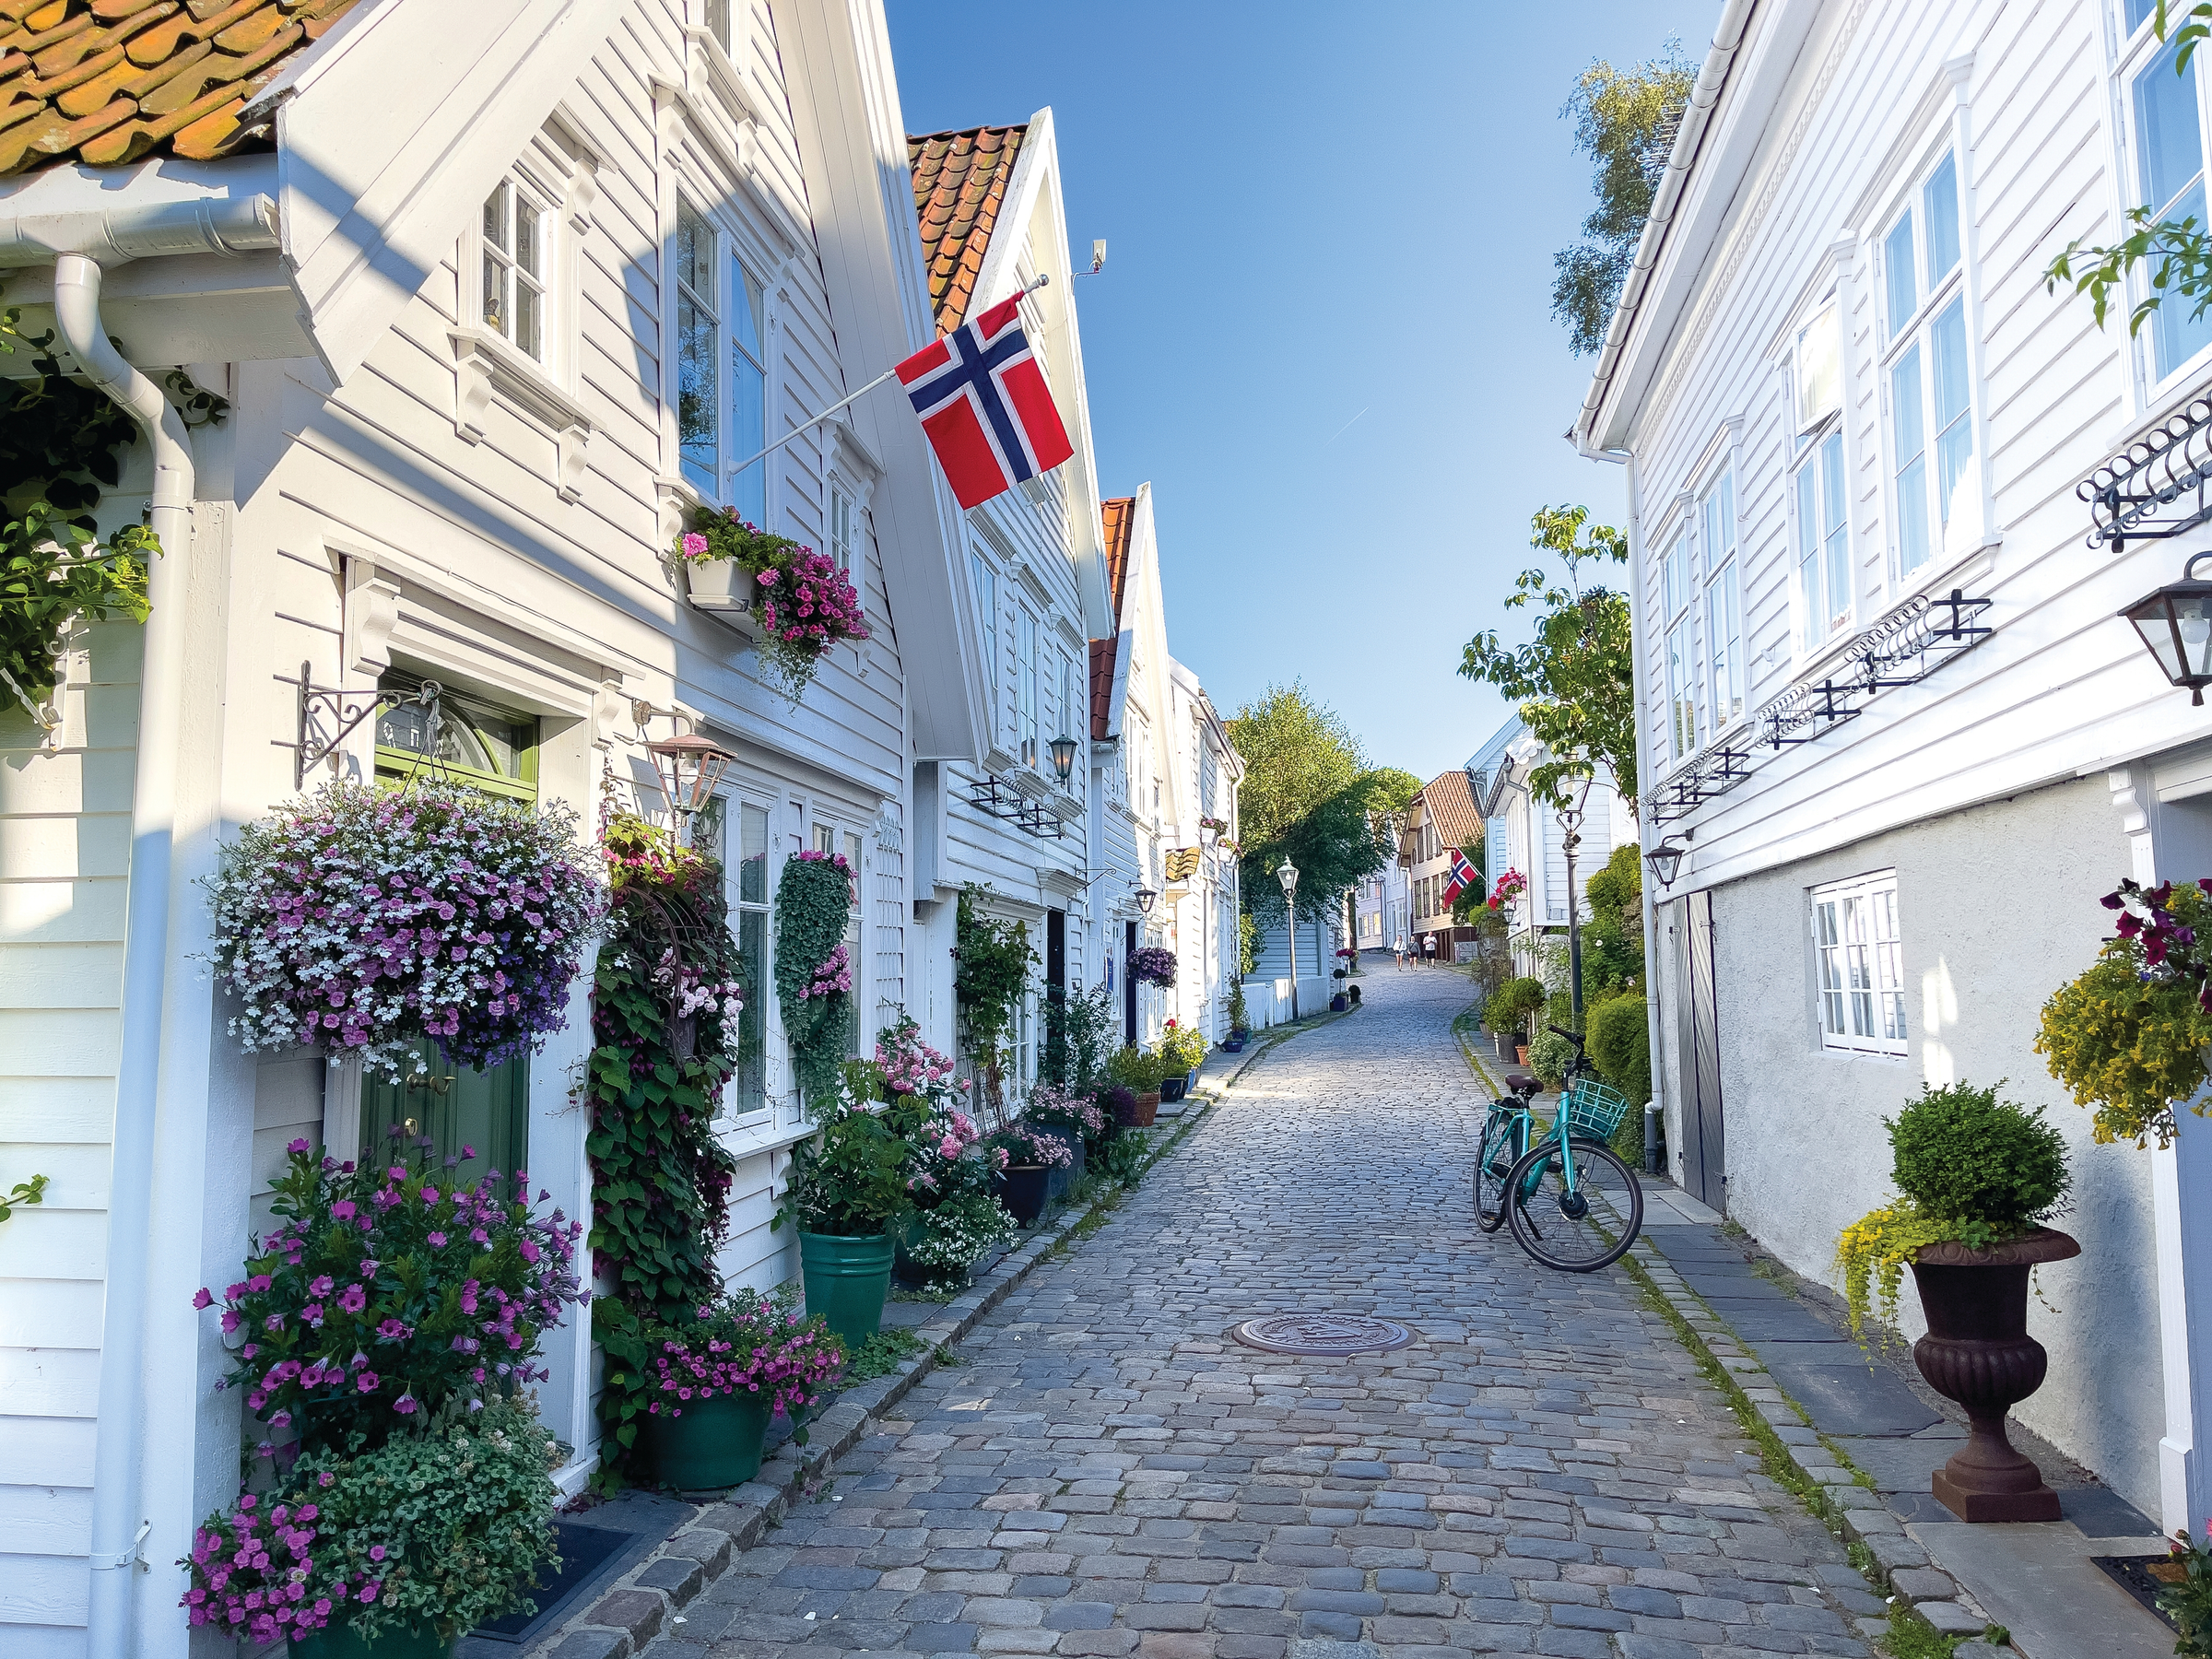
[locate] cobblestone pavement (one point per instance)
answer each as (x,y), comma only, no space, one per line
(1109,1474)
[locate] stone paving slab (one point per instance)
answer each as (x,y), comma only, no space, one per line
(2037,1581)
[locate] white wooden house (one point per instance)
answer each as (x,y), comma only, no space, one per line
(1201,899)
(451,267)
(1525,835)
(1846,398)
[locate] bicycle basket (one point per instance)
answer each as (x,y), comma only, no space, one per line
(1596,1109)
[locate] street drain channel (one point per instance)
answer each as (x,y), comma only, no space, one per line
(1325,1336)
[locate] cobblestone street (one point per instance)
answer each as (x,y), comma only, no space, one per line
(1542,1471)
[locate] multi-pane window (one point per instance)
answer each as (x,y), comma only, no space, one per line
(1724,603)
(1823,539)
(1859,965)
(749,396)
(2167,112)
(1931,406)
(748,1088)
(1678,583)
(1025,686)
(514,267)
(1071,724)
(698,406)
(986,626)
(718,22)
(841,529)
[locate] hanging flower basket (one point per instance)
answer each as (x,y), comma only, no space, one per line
(801,603)
(1153,965)
(1511,886)
(360,919)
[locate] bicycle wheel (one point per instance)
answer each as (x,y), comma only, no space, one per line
(1578,1230)
(1491,1164)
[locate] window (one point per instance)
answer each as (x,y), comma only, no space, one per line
(1931,409)
(749,396)
(697,409)
(1025,686)
(749,1086)
(1679,582)
(514,267)
(1723,604)
(1859,965)
(2169,136)
(841,529)
(986,626)
(1071,724)
(1823,540)
(718,22)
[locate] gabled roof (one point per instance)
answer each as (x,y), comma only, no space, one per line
(108,81)
(1119,517)
(1103,652)
(959,185)
(1451,805)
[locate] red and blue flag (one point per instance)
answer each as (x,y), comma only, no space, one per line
(1464,878)
(984,402)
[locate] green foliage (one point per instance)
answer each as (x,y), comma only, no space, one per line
(992,959)
(2189,1602)
(24,1192)
(1625,120)
(451,1523)
(1182,1048)
(880,1355)
(1873,1254)
(1511,1005)
(2128,1042)
(1136,1069)
(1240,1017)
(1125,1158)
(1390,790)
(850,1180)
(1621,1046)
(1336,844)
(814,982)
(1550,1056)
(1087,1022)
(1298,753)
(1990,1165)
(1248,941)
(1613,935)
(1573,683)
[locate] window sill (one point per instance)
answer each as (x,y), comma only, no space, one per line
(484,366)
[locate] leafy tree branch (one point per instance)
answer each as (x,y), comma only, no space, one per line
(1625,120)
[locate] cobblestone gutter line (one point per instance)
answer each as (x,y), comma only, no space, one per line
(640,1603)
(1802,1462)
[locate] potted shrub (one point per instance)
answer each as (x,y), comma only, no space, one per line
(1509,1010)
(1240,1018)
(1975,1175)
(952,1179)
(1138,1071)
(1338,1001)
(794,602)
(718,1378)
(844,1189)
(1180,1051)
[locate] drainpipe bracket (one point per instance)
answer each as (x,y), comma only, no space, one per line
(124,1557)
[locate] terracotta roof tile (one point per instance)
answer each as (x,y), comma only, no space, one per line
(1101,688)
(959,185)
(1119,520)
(108,81)
(1451,804)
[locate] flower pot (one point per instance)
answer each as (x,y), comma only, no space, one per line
(1143,1109)
(1171,1089)
(1520,1052)
(1063,1178)
(1025,1191)
(1978,1352)
(1338,1003)
(336,1641)
(1190,1079)
(714,1444)
(846,1281)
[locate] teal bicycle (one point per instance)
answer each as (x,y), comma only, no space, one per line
(1573,1204)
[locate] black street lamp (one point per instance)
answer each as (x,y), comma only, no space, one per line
(1063,759)
(1665,860)
(1145,896)
(2176,626)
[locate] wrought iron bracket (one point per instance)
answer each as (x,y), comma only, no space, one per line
(334,705)
(2156,487)
(993,796)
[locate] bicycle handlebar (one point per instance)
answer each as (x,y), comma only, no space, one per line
(1571,1036)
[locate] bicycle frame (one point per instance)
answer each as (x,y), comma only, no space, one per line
(1525,1142)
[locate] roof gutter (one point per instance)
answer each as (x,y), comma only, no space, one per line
(108,236)
(1689,138)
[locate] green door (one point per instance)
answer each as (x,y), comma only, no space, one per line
(461,1109)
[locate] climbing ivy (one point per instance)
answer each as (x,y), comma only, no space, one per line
(990,976)
(660,1180)
(813,978)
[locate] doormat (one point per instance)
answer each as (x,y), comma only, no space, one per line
(2141,1577)
(1325,1336)
(587,1554)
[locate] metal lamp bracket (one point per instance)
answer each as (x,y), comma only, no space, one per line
(348,709)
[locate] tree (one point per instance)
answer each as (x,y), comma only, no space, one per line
(1574,682)
(1625,120)
(1336,845)
(1297,752)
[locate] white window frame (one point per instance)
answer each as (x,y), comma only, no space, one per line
(1823,457)
(1681,661)
(1858,965)
(984,581)
(736,277)
(735,805)
(704,474)
(1028,689)
(2139,55)
(715,17)
(1725,671)
(521,198)
(1940,300)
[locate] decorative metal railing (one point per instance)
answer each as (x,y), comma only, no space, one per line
(2156,487)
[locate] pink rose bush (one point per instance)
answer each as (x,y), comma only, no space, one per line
(359,920)
(744,1344)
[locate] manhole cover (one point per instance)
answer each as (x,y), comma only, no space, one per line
(1327,1334)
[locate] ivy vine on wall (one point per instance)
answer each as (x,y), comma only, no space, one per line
(813,975)
(992,959)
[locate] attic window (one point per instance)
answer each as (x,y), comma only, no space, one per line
(718,22)
(514,267)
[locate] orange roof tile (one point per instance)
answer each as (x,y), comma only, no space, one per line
(1101,688)
(1119,520)
(108,81)
(1450,802)
(959,185)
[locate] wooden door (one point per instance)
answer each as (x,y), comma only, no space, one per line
(1698,1050)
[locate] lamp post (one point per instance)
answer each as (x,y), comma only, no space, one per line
(1287,873)
(1570,823)
(2175,624)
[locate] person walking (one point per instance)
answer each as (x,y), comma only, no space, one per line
(1401,953)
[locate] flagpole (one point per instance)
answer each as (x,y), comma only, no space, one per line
(1042,277)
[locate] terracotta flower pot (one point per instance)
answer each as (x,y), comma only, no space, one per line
(1145,1108)
(1520,1052)
(1978,1352)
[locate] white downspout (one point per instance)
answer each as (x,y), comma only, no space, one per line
(116,1523)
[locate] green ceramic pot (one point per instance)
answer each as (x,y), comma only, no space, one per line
(339,1641)
(847,1280)
(715,1443)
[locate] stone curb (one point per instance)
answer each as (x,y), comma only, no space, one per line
(1846,1500)
(639,1605)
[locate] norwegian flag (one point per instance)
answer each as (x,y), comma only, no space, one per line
(982,400)
(1463,878)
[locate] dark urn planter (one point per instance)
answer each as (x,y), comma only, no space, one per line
(1339,1003)
(1024,1193)
(1171,1089)
(1978,1352)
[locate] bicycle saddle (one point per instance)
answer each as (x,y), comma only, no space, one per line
(1516,1084)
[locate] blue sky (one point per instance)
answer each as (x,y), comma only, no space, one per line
(1324,329)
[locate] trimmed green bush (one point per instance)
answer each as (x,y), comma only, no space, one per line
(1511,1005)
(1550,1056)
(1965,1156)
(1620,1047)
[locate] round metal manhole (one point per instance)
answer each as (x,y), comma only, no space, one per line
(1327,1335)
